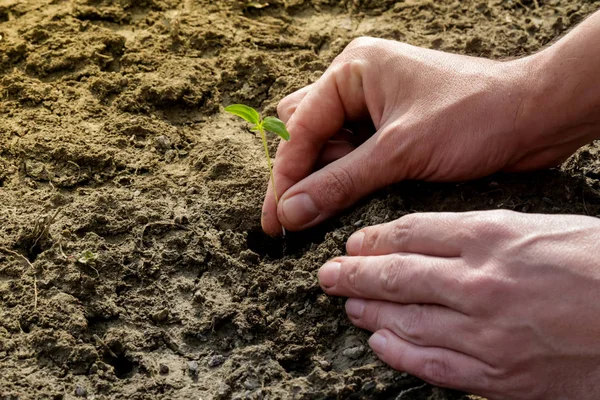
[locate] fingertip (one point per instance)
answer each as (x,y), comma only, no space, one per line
(354,243)
(273,230)
(355,308)
(378,342)
(268,219)
(329,274)
(297,211)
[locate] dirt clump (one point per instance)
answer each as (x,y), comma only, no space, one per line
(134,204)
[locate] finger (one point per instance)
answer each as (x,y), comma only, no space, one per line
(337,96)
(400,278)
(336,187)
(436,365)
(434,234)
(287,106)
(345,135)
(419,324)
(333,150)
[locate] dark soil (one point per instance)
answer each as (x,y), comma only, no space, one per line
(133,265)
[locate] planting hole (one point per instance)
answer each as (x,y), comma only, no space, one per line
(295,244)
(124,368)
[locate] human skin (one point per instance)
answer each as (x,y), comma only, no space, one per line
(497,303)
(437,116)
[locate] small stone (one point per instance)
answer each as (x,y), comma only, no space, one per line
(193,368)
(354,353)
(223,390)
(162,143)
(251,384)
(181,220)
(369,386)
(191,191)
(199,297)
(163,369)
(80,391)
(161,316)
(249,256)
(216,360)
(325,365)
(170,156)
(547,200)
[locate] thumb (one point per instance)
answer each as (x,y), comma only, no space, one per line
(335,187)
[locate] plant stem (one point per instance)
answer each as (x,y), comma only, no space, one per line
(266,146)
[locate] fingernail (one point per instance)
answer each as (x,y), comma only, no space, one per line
(378,343)
(354,244)
(329,274)
(299,209)
(355,308)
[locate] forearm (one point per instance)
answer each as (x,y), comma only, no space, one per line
(567,85)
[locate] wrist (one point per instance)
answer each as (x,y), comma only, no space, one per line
(567,91)
(559,104)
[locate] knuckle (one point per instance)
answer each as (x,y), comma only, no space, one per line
(487,290)
(363,41)
(412,324)
(391,275)
(285,107)
(402,228)
(491,226)
(371,238)
(360,48)
(353,275)
(436,371)
(336,189)
(375,313)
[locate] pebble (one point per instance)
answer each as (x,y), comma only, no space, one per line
(80,391)
(369,386)
(354,352)
(199,297)
(325,365)
(216,360)
(162,143)
(251,384)
(163,369)
(193,368)
(161,315)
(181,219)
(170,156)
(223,390)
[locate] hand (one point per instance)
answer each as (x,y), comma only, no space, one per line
(497,303)
(436,116)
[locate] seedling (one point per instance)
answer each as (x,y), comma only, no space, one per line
(88,257)
(260,125)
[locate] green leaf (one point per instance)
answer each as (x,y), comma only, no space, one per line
(245,112)
(277,126)
(88,257)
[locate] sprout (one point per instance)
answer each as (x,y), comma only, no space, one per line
(260,125)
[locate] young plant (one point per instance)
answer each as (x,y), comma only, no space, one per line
(260,125)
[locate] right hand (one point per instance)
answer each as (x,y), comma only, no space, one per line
(437,117)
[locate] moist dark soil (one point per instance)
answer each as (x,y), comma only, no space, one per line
(133,265)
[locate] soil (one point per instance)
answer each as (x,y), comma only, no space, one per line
(133,265)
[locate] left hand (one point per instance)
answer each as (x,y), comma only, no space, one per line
(497,303)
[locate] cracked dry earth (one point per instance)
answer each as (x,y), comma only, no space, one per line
(132,264)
